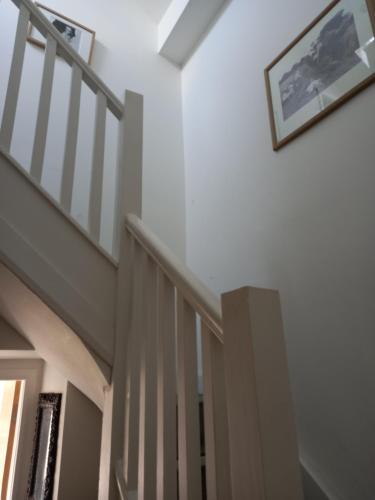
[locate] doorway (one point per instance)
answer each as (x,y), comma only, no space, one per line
(11,392)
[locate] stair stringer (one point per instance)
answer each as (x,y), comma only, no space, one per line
(41,245)
(53,340)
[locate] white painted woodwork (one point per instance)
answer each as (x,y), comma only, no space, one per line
(121,373)
(262,433)
(148,386)
(67,180)
(215,418)
(107,483)
(42,193)
(11,99)
(70,55)
(189,460)
(132,374)
(129,181)
(96,191)
(203,301)
(43,110)
(57,263)
(166,391)
(129,163)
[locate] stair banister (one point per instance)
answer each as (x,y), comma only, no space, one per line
(45,27)
(41,128)
(250,439)
(201,298)
(129,114)
(264,460)
(129,164)
(71,140)
(14,82)
(251,447)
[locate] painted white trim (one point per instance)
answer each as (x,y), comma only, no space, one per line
(70,55)
(31,371)
(205,303)
(11,240)
(58,207)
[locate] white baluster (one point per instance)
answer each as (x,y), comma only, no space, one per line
(113,434)
(132,376)
(215,418)
(71,139)
(11,99)
(262,433)
(166,404)
(96,191)
(43,110)
(147,411)
(189,462)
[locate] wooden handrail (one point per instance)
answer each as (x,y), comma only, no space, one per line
(70,55)
(204,302)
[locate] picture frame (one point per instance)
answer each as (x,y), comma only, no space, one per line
(80,37)
(43,459)
(330,62)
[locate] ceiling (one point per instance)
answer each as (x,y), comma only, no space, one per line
(155,8)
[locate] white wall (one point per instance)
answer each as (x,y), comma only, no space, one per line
(125,56)
(80,453)
(300,220)
(11,340)
(79,439)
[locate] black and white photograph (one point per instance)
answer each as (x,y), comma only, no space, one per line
(333,54)
(328,64)
(79,37)
(71,34)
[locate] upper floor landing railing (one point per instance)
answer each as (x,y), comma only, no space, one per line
(129,116)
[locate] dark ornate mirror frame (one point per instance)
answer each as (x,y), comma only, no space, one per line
(52,402)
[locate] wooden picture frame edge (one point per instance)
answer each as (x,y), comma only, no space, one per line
(277,145)
(52,11)
(11,439)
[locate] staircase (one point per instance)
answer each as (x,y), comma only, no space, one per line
(145,315)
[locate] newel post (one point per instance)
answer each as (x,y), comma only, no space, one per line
(262,433)
(129,164)
(128,200)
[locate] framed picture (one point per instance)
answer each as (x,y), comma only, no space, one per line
(43,460)
(79,37)
(330,62)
